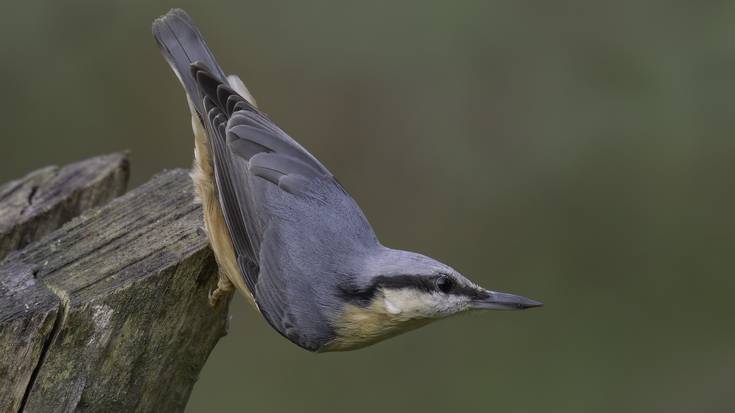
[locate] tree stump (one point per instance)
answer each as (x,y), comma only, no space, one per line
(108,312)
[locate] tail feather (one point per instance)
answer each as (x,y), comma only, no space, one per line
(182,45)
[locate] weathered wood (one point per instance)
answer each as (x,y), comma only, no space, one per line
(110,312)
(30,208)
(43,200)
(28,311)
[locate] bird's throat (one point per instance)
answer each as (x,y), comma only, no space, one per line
(359,327)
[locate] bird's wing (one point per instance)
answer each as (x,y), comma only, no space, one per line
(246,145)
(262,176)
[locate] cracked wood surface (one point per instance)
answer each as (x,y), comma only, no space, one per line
(43,200)
(109,313)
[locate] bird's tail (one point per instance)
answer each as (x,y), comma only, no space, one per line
(182,44)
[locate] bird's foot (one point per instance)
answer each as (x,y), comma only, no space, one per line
(224,288)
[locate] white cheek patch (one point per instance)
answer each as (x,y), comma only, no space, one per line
(412,303)
(402,300)
(392,308)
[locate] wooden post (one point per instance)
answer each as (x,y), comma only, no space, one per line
(109,312)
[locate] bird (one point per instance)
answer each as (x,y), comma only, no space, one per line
(287,235)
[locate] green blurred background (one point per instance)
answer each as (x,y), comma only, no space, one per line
(579,153)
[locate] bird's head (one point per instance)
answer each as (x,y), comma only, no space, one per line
(401,290)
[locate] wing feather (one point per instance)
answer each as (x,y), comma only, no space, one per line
(254,160)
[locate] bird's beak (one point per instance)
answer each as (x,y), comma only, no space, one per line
(504,301)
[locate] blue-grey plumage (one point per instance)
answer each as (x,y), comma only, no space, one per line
(286,233)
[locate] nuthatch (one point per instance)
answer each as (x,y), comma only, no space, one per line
(285,232)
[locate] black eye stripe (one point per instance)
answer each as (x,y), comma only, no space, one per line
(364,296)
(405,281)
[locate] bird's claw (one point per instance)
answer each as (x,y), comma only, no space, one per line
(224,287)
(215,296)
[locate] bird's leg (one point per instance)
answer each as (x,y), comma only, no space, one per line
(224,287)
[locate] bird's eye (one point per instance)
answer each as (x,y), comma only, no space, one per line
(444,284)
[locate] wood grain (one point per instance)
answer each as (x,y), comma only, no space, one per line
(110,313)
(43,200)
